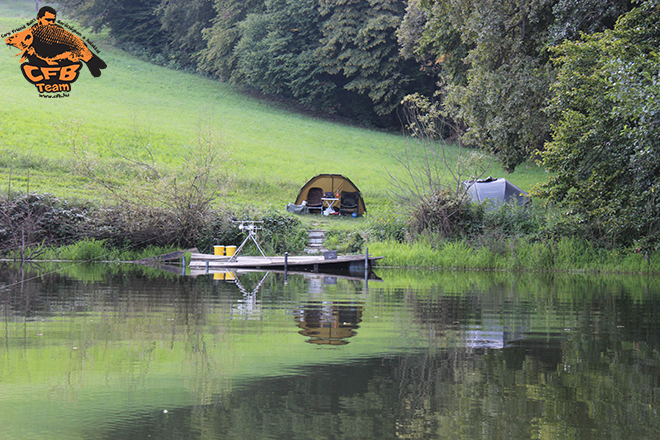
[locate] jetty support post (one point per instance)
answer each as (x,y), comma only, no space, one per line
(207,267)
(286,263)
(366,270)
(183,265)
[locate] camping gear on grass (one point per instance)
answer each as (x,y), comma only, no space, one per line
(297,209)
(350,198)
(349,202)
(314,202)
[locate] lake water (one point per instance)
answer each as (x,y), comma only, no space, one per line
(126,352)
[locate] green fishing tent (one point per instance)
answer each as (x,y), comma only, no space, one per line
(350,197)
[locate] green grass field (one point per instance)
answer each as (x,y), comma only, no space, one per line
(275,150)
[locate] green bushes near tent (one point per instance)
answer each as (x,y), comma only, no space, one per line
(282,233)
(446,218)
(449,234)
(509,238)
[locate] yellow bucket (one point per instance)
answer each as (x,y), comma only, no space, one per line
(219,250)
(230,250)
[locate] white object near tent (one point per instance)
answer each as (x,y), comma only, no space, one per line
(495,191)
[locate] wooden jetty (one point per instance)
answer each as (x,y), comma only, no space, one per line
(322,276)
(329,261)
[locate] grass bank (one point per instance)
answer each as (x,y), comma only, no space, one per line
(515,254)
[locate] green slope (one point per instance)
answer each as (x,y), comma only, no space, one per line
(276,150)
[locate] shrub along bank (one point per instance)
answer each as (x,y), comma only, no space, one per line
(38,226)
(445,234)
(448,233)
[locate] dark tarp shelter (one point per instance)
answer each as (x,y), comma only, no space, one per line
(496,191)
(349,194)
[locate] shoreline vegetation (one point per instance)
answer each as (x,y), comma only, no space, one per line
(566,256)
(166,167)
(68,233)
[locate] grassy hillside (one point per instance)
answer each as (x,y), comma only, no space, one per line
(276,150)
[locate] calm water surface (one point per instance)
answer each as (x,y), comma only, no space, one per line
(107,352)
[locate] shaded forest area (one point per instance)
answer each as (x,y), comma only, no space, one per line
(485,61)
(573,84)
(340,58)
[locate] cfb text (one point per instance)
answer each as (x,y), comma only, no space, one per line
(35,74)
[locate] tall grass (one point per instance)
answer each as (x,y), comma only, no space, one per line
(520,254)
(93,250)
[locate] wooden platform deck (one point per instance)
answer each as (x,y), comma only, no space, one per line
(321,275)
(305,263)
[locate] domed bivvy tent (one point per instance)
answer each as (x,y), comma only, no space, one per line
(318,187)
(496,192)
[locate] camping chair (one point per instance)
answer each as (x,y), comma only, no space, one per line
(348,202)
(314,202)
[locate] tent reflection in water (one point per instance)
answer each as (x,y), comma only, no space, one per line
(329,323)
(495,192)
(330,186)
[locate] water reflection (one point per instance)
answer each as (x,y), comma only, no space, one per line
(329,323)
(123,353)
(248,307)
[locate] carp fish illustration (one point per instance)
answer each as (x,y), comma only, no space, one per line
(50,44)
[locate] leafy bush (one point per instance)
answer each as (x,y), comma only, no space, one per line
(135,226)
(448,216)
(29,224)
(387,228)
(219,231)
(513,219)
(282,233)
(30,221)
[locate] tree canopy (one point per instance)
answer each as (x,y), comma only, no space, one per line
(338,57)
(605,152)
(493,65)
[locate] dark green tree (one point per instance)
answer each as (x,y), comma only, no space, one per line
(360,47)
(491,61)
(605,154)
(222,36)
(573,17)
(170,28)
(133,24)
(183,21)
(499,94)
(275,53)
(428,35)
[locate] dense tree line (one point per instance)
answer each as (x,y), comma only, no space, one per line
(338,57)
(605,152)
(573,84)
(487,60)
(486,63)
(493,62)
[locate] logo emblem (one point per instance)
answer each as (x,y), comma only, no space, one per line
(52,56)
